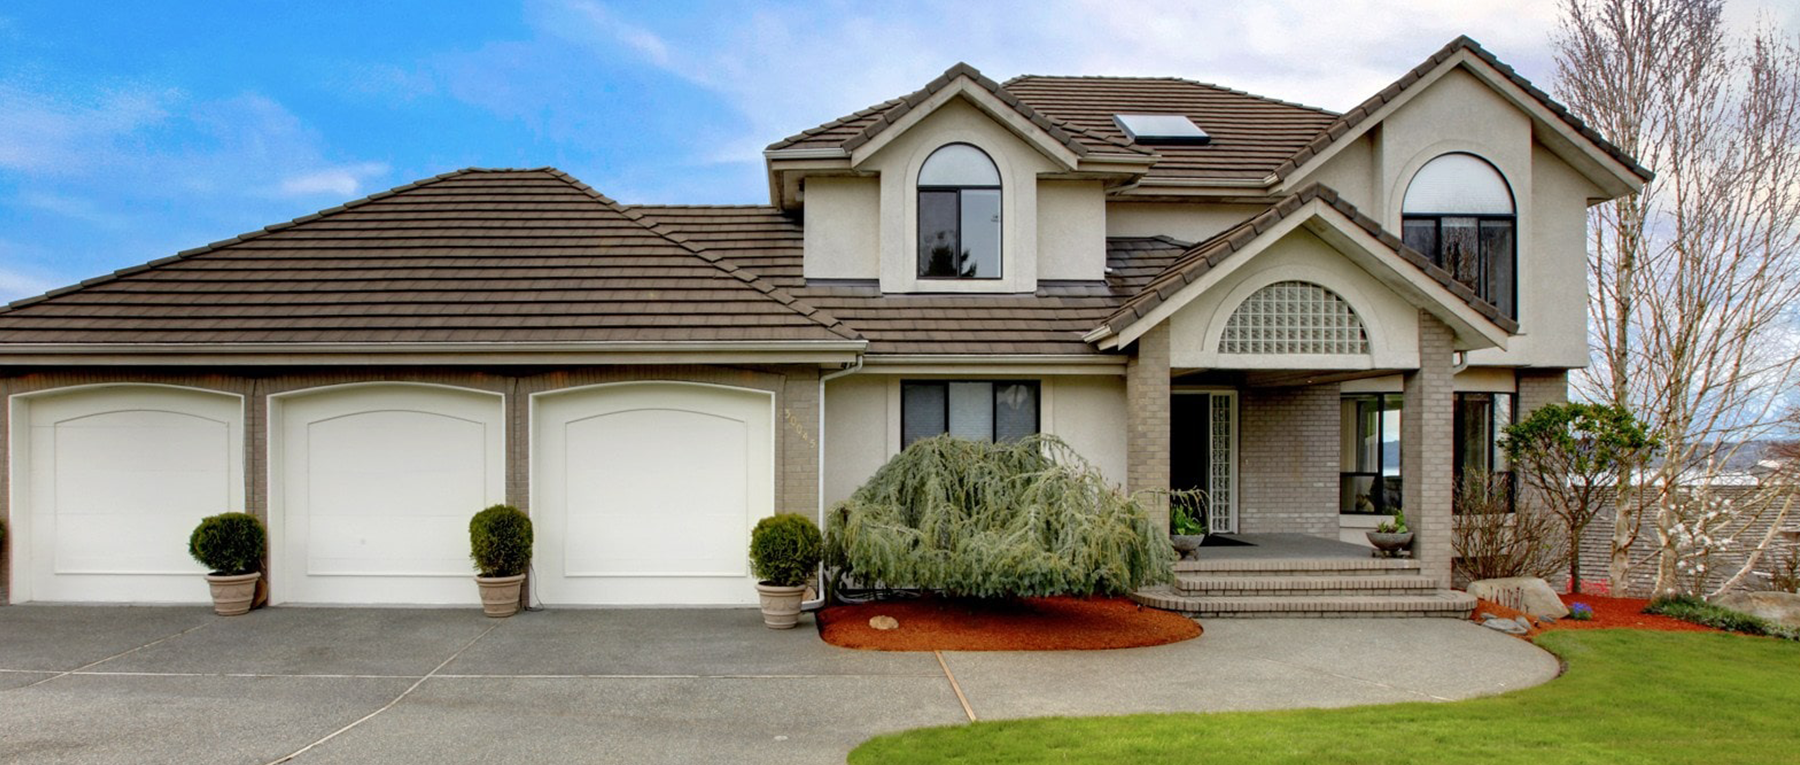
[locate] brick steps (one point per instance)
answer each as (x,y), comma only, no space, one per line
(1443,603)
(1235,586)
(1305,587)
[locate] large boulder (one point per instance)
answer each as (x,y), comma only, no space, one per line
(1780,607)
(1525,593)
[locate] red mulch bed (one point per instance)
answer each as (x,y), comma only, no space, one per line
(1609,613)
(1028,624)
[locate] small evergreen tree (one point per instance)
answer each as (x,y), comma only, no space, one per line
(976,519)
(1569,454)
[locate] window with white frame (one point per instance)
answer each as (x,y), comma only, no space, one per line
(1294,317)
(959,214)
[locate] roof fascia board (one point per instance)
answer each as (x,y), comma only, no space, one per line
(989,104)
(1599,167)
(454,354)
(1023,364)
(1367,252)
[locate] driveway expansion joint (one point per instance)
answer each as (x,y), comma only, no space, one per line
(390,704)
(126,652)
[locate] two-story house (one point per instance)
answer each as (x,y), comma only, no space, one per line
(1315,317)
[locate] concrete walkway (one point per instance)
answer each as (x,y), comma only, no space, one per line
(131,685)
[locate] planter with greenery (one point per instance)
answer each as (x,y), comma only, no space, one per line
(1391,537)
(1187,522)
(785,550)
(500,545)
(230,545)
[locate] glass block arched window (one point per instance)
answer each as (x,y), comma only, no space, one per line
(1294,317)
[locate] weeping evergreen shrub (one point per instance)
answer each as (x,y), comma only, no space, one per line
(975,519)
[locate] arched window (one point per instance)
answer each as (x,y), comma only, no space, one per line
(959,214)
(1459,212)
(1294,317)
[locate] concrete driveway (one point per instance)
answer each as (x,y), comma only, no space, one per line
(325,685)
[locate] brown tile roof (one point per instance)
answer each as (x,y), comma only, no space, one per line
(515,256)
(854,130)
(1202,257)
(1350,119)
(1048,322)
(1250,134)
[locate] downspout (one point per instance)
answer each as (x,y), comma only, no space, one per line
(855,366)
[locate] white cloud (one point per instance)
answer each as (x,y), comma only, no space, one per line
(343,181)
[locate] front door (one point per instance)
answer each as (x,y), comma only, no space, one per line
(1202,451)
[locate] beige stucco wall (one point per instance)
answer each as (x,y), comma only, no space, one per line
(843,228)
(898,164)
(1460,113)
(1187,221)
(1392,323)
(862,422)
(1071,221)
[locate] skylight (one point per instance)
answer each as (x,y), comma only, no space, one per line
(1161,128)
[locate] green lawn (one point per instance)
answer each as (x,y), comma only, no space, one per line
(1628,697)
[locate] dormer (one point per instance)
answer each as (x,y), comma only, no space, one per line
(957,188)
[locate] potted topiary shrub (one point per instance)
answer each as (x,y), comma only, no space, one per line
(785,550)
(230,545)
(1391,537)
(500,544)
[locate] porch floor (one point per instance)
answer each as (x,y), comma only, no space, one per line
(1282,547)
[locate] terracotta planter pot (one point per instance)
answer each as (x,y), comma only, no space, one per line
(232,595)
(780,605)
(500,594)
(1389,545)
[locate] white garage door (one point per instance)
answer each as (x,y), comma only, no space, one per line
(109,483)
(372,490)
(645,493)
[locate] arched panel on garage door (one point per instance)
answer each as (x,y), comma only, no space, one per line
(109,481)
(372,487)
(645,493)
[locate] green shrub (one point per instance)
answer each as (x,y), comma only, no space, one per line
(229,544)
(500,541)
(1395,526)
(785,549)
(1018,519)
(1692,609)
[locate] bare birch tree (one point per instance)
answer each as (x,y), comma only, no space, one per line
(1693,278)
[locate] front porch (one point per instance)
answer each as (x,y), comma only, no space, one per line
(1298,575)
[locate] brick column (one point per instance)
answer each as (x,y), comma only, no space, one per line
(1147,419)
(1426,436)
(1538,387)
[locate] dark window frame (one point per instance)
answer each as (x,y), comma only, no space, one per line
(918,222)
(1508,308)
(1037,414)
(1459,449)
(1378,478)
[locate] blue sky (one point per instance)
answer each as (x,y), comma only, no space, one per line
(130,131)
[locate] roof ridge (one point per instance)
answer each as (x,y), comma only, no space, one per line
(244,237)
(1187,80)
(1347,121)
(753,280)
(1215,249)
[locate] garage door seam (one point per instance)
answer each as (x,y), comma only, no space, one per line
(390,704)
(126,652)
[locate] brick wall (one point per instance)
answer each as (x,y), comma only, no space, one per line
(1147,419)
(1427,432)
(796,413)
(1288,460)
